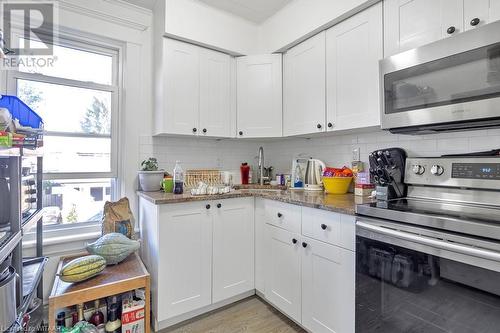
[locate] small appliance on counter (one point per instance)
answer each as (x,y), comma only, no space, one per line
(313,179)
(387,167)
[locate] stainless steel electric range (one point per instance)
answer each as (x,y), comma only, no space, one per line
(430,261)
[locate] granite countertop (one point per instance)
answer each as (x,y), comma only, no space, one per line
(339,203)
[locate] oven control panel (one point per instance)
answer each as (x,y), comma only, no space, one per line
(476,172)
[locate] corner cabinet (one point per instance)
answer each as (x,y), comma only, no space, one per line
(200,255)
(412,23)
(353,49)
(193,94)
(259,91)
(304,87)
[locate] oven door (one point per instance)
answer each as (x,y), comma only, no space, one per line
(412,279)
(452,80)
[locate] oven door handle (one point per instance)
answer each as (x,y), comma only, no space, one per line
(432,242)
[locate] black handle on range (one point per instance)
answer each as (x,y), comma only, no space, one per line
(475,21)
(294,241)
(450,30)
(324,226)
(304,245)
(207,206)
(219,205)
(280,215)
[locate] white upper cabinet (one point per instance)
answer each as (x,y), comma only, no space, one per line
(181,95)
(196,95)
(233,248)
(480,12)
(215,93)
(304,87)
(412,23)
(353,49)
(259,91)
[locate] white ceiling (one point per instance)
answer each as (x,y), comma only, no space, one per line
(254,10)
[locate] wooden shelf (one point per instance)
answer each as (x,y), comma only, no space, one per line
(128,275)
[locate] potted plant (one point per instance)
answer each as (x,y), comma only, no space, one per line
(149,176)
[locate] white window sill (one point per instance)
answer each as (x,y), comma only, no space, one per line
(57,240)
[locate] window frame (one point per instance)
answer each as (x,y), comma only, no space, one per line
(99,46)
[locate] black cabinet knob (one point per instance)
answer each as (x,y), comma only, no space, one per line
(304,245)
(194,129)
(280,215)
(324,226)
(475,21)
(330,125)
(240,132)
(204,130)
(207,206)
(219,205)
(294,241)
(450,30)
(319,126)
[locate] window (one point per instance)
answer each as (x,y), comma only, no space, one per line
(78,101)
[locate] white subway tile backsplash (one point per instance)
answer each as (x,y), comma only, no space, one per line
(334,150)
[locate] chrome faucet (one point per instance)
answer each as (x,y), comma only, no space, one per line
(261,166)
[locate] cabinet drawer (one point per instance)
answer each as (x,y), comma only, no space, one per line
(329,227)
(283,215)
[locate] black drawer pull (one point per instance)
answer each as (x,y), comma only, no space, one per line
(304,245)
(294,241)
(324,226)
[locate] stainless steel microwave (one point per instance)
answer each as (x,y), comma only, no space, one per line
(451,84)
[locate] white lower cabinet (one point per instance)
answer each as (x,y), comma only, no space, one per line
(283,271)
(328,296)
(233,249)
(312,279)
(198,254)
(185,256)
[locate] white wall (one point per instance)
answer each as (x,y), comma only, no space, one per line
(336,150)
(303,18)
(195,21)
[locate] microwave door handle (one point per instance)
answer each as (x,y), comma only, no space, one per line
(431,242)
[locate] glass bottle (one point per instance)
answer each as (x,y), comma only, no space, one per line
(114,324)
(60,321)
(178,178)
(97,317)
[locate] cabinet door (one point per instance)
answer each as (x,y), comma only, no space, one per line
(185,252)
(328,295)
(260,245)
(182,86)
(215,94)
(283,271)
(259,95)
(353,49)
(304,87)
(480,12)
(233,248)
(413,23)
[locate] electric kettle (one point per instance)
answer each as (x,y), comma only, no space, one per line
(313,180)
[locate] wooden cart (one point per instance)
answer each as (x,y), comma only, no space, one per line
(128,275)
